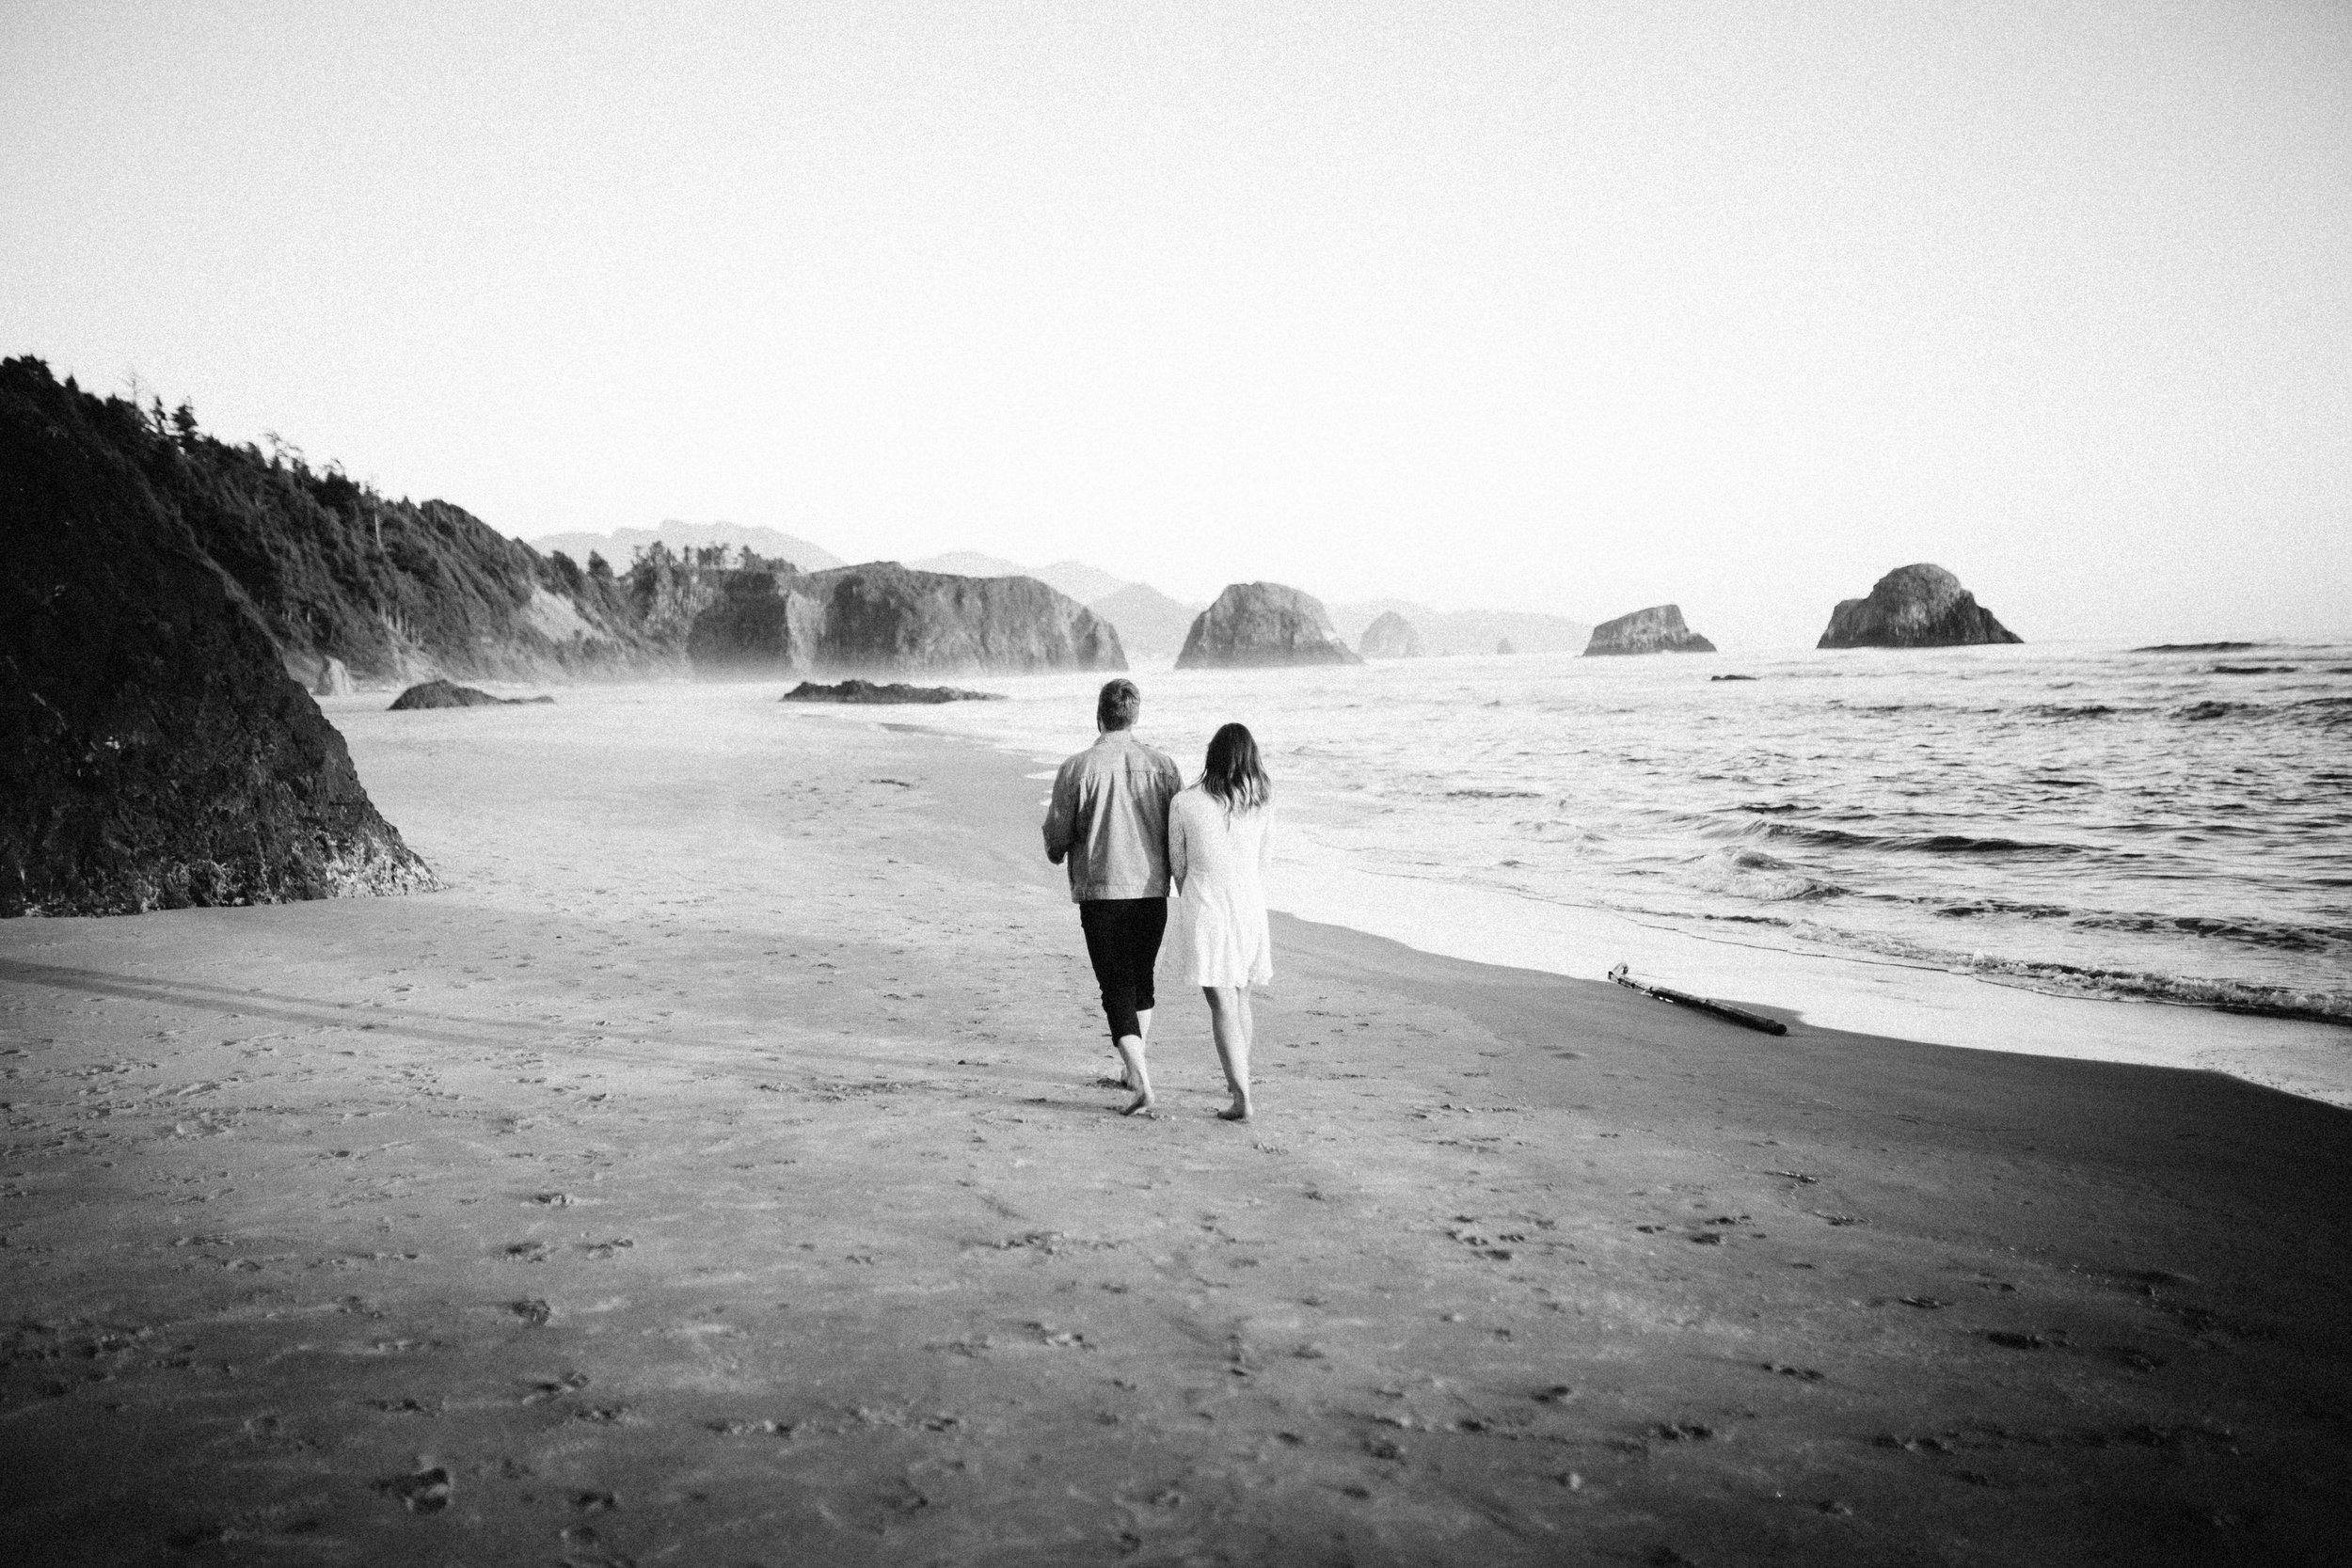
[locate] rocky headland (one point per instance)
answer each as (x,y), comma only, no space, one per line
(1915,606)
(1389,636)
(1658,629)
(1254,625)
(886,619)
(155,752)
(895,692)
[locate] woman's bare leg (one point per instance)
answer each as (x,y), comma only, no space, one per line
(1228,1020)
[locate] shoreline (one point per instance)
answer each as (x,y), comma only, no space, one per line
(720,1170)
(1847,991)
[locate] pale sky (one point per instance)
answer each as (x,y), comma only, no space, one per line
(1564,306)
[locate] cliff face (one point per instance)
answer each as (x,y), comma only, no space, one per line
(751,628)
(395,590)
(1257,623)
(1655,630)
(154,751)
(888,619)
(1915,606)
(1389,636)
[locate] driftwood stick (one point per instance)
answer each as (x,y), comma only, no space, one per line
(1720,1009)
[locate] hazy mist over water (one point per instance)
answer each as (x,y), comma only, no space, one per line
(2088,821)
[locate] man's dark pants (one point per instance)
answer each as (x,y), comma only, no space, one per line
(1123,940)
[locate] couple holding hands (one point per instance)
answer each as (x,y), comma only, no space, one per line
(1130,830)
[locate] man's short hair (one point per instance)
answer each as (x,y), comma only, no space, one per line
(1119,704)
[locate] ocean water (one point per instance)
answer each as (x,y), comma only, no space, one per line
(2081,822)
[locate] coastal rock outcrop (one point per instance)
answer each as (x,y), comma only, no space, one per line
(450,694)
(1389,636)
(1915,606)
(1658,629)
(155,752)
(886,619)
(752,628)
(1254,625)
(895,692)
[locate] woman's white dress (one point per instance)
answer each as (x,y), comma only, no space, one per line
(1218,861)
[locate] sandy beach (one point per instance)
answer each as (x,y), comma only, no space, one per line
(720,1170)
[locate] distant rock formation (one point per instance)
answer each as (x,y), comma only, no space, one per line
(1445,632)
(866,692)
(886,619)
(1150,624)
(748,628)
(1658,629)
(1254,625)
(1389,636)
(1915,606)
(1507,646)
(155,752)
(447,694)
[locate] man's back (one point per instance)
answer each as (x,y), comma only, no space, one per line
(1110,817)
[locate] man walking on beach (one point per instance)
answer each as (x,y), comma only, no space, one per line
(1109,820)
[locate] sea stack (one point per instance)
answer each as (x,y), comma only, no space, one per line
(1658,629)
(1915,606)
(1392,636)
(155,752)
(1255,624)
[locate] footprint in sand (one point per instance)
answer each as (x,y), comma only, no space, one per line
(535,1312)
(426,1492)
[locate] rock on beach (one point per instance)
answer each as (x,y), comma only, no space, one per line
(438,693)
(155,752)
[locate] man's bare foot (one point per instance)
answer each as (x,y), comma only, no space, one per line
(1240,1110)
(1143,1104)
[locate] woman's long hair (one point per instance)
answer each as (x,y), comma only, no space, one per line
(1232,776)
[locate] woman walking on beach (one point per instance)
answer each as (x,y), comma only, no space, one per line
(1218,834)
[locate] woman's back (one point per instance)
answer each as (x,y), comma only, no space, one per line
(1217,859)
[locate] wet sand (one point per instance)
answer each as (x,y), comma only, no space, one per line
(721,1171)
